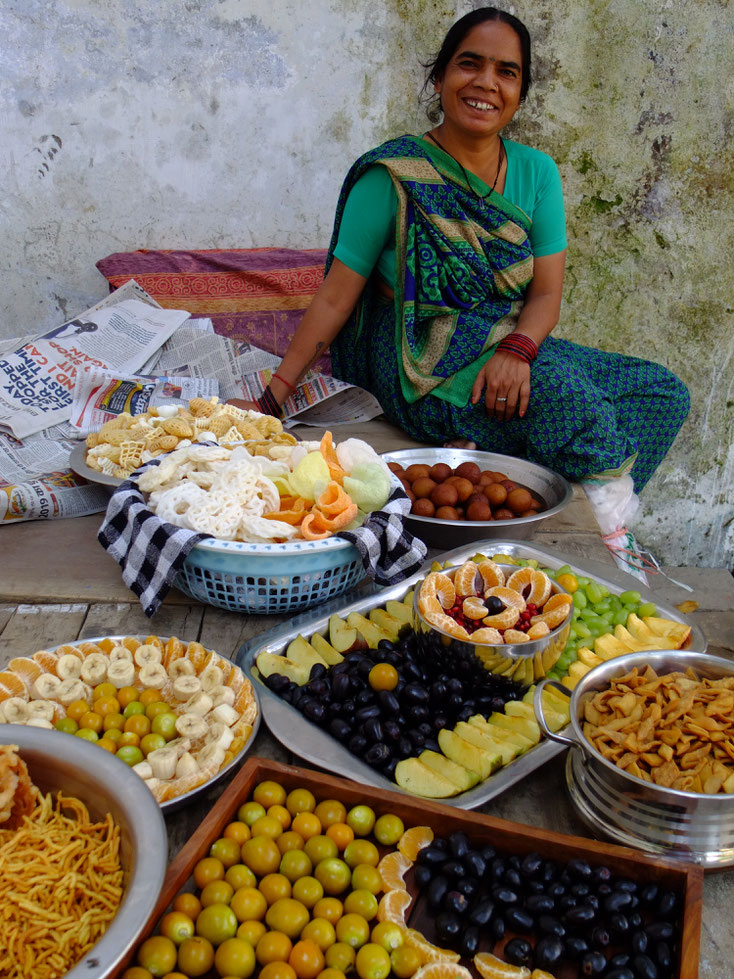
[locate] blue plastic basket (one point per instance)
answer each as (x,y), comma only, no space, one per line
(266,579)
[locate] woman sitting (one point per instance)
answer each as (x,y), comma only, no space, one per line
(444,282)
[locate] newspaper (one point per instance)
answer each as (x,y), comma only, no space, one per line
(243,371)
(100,396)
(37,377)
(55,494)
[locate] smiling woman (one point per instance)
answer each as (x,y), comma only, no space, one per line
(444,282)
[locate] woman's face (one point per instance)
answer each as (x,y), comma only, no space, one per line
(480,89)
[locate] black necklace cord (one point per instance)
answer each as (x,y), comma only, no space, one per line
(500,160)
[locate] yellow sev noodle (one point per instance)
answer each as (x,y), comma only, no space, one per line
(60,886)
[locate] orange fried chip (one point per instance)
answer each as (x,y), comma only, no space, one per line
(333,500)
(292,514)
(312,529)
(329,453)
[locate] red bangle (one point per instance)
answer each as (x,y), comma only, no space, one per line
(519,345)
(287,383)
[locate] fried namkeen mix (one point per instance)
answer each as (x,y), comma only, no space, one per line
(62,879)
(17,792)
(674,730)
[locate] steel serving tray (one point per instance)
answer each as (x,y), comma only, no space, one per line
(318,747)
(185,798)
(78,464)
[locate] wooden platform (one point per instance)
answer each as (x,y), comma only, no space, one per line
(58,585)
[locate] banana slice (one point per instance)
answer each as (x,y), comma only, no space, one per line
(191,726)
(153,675)
(68,667)
(210,676)
(210,756)
(163,762)
(220,734)
(148,655)
(94,669)
(70,690)
(144,769)
(185,687)
(225,714)
(121,672)
(222,695)
(181,667)
(120,652)
(45,687)
(200,703)
(15,710)
(179,745)
(44,709)
(186,765)
(39,722)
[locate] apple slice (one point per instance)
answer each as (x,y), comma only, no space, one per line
(668,627)
(585,655)
(302,653)
(325,650)
(609,647)
(371,633)
(576,671)
(413,776)
(476,736)
(403,613)
(462,778)
(522,711)
(269,663)
(521,727)
(493,738)
(388,623)
(476,759)
(341,636)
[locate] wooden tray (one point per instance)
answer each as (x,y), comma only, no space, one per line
(506,836)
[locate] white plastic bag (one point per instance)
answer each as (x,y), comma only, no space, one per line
(614,504)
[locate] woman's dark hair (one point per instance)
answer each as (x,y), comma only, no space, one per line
(457,32)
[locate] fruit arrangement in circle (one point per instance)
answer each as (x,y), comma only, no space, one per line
(272,899)
(175,712)
(465,492)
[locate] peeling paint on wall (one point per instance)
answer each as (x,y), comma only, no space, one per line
(214,123)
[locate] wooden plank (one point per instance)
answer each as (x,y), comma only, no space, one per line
(227,631)
(114,619)
(6,614)
(34,627)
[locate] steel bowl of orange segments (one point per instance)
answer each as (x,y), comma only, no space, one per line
(179,714)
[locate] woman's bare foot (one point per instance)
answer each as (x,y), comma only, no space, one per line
(460,444)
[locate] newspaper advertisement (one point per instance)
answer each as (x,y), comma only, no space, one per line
(27,458)
(100,396)
(55,494)
(37,377)
(243,371)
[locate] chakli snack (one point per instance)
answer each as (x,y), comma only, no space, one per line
(62,881)
(477,601)
(127,441)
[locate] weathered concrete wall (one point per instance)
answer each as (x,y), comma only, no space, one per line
(211,123)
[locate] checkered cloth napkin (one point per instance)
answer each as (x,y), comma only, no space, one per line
(151,552)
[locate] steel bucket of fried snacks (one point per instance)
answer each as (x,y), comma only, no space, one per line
(516,621)
(674,738)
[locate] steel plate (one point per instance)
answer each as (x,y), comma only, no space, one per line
(78,465)
(318,747)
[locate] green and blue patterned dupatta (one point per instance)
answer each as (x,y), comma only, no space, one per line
(463,264)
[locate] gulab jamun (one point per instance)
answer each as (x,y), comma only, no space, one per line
(496,494)
(464,487)
(416,470)
(532,512)
(423,486)
(444,494)
(504,514)
(395,467)
(518,500)
(423,508)
(479,510)
(508,484)
(446,513)
(440,472)
(468,470)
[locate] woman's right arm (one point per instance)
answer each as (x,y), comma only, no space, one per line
(335,299)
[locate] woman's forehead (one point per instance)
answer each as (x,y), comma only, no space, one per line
(493,40)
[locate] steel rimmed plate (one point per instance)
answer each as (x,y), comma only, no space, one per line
(78,464)
(316,746)
(174,804)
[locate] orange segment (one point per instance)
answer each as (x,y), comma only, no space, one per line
(107,645)
(427,950)
(538,630)
(129,642)
(440,586)
(174,649)
(474,608)
(560,600)
(514,604)
(492,574)
(553,618)
(90,647)
(392,869)
(414,839)
(446,624)
(514,635)
(538,582)
(465,579)
(392,907)
(199,656)
(13,684)
(442,970)
(490,967)
(26,670)
(154,641)
(46,660)
(244,702)
(487,635)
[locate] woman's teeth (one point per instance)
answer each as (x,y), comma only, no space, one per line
(481,106)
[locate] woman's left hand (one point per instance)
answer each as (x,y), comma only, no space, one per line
(505,380)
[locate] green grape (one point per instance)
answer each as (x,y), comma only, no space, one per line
(603,606)
(614,603)
(630,597)
(583,582)
(620,618)
(566,569)
(588,613)
(648,608)
(580,630)
(593,593)
(598,628)
(579,599)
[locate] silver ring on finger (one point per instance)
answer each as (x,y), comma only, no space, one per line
(500,399)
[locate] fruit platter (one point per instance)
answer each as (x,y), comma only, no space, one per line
(180,715)
(347,689)
(295,875)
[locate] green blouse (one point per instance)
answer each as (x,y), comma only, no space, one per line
(367,232)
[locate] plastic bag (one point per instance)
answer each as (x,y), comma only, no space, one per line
(614,504)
